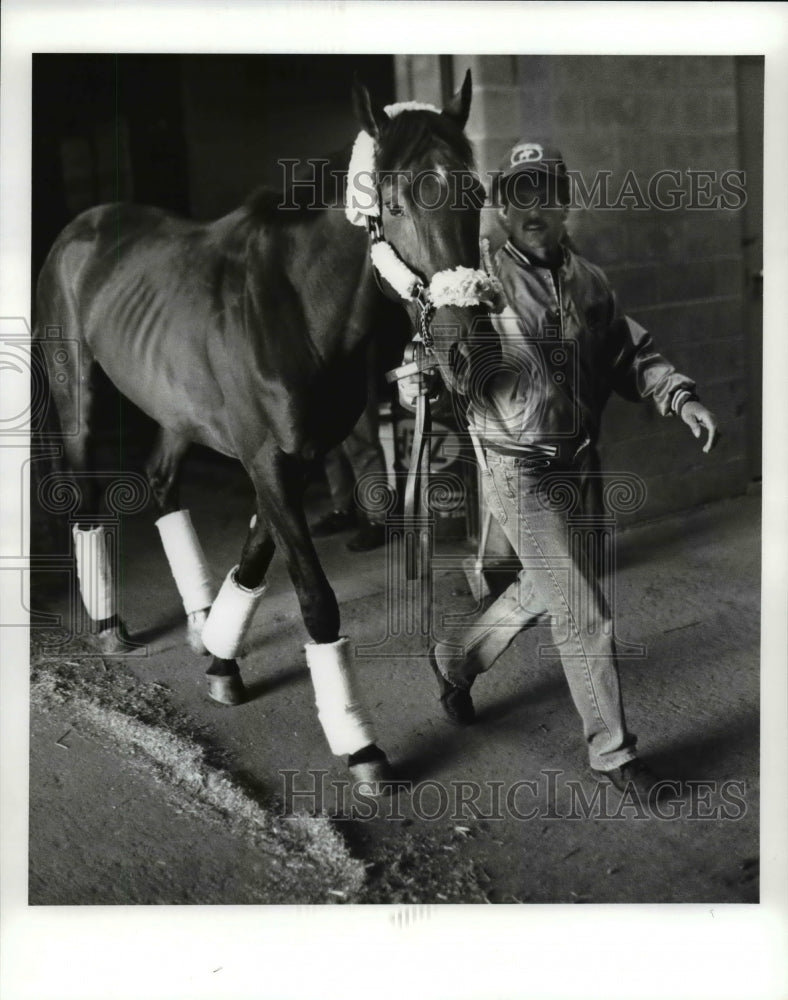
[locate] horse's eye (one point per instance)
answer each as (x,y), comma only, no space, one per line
(396,210)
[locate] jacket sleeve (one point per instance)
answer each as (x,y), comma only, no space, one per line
(467,362)
(638,371)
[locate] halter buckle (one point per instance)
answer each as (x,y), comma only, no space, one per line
(426,310)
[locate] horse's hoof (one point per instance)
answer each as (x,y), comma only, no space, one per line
(114,640)
(370,766)
(227,690)
(195,623)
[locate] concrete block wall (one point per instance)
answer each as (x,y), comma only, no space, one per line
(679,273)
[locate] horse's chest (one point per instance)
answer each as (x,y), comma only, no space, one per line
(335,402)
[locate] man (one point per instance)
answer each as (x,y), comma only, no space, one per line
(565,348)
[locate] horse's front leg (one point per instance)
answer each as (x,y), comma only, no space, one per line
(232,613)
(279,481)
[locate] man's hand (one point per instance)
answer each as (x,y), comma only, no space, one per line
(697,418)
(410,387)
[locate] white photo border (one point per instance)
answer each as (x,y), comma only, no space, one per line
(546,952)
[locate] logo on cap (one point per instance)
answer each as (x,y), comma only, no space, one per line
(527,152)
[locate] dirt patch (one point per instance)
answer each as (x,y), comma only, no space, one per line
(131,802)
(423,868)
(306,859)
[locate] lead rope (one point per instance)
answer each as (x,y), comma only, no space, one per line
(418,470)
(416,361)
(460,286)
(416,484)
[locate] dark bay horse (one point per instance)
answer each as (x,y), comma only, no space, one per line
(249,335)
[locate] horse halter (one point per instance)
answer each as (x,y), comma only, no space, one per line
(459,286)
(386,262)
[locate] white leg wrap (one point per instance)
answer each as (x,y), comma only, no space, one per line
(95,572)
(344,719)
(187,560)
(230,616)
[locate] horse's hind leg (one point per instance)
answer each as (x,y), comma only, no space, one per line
(72,388)
(182,547)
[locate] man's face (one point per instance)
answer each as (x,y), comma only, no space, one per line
(533,216)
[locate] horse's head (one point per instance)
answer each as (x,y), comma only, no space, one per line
(421,202)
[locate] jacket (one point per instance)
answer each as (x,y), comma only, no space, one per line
(565,347)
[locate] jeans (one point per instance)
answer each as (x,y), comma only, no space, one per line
(558,583)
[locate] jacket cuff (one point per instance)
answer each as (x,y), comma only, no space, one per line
(679,398)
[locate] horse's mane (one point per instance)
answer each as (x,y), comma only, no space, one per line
(414,140)
(325,190)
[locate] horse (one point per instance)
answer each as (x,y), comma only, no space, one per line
(249,335)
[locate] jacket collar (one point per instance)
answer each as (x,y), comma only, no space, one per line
(520,258)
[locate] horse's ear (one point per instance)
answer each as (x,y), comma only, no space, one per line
(459,106)
(369,114)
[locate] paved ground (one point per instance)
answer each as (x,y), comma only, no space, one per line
(688,589)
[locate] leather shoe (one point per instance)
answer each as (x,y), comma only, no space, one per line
(456,701)
(633,774)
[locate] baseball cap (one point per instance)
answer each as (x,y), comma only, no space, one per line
(529,156)
(526,155)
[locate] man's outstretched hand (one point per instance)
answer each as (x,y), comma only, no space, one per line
(698,418)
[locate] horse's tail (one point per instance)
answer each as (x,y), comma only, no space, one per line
(49,341)
(47,463)
(56,347)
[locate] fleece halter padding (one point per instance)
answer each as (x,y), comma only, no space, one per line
(459,286)
(361,199)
